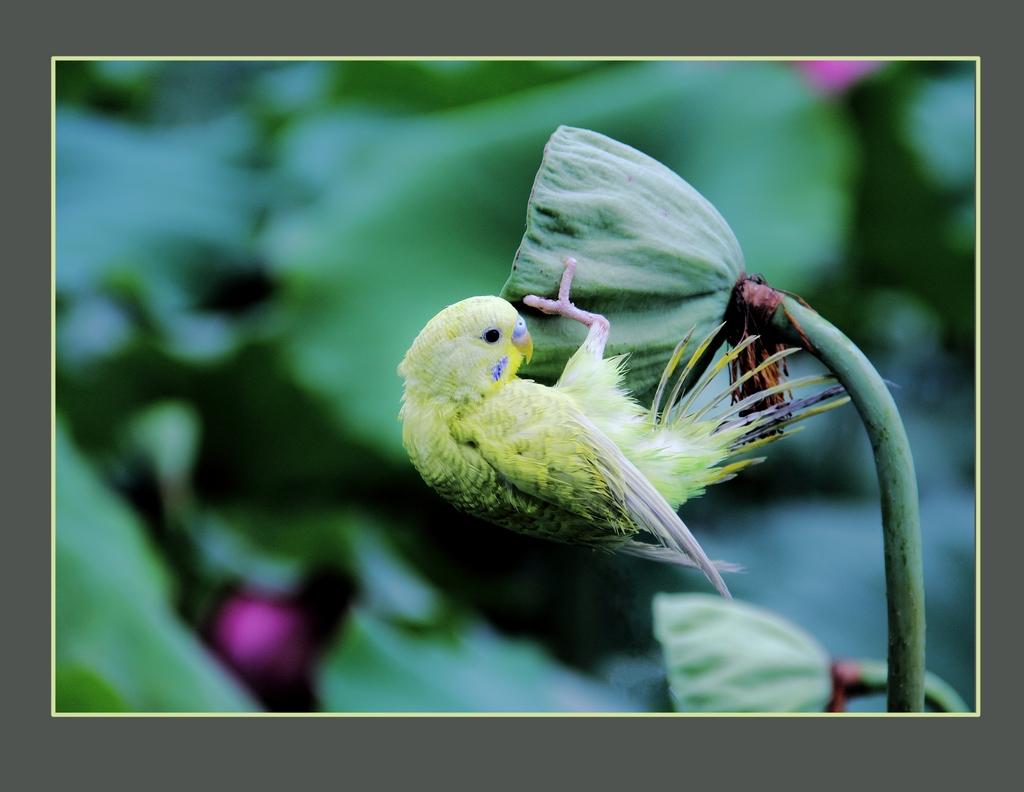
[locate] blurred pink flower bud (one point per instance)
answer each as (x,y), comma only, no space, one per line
(268,640)
(835,76)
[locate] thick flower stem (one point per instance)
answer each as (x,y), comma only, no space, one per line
(904,577)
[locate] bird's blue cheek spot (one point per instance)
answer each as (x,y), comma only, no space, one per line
(519,330)
(499,369)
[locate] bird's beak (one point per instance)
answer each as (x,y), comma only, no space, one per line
(524,344)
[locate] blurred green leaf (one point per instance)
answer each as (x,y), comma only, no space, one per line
(153,217)
(915,231)
(293,87)
(390,586)
(118,641)
(81,689)
(429,86)
(377,667)
(728,656)
(126,73)
(135,204)
(940,125)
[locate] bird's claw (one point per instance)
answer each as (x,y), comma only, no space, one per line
(546,305)
(563,306)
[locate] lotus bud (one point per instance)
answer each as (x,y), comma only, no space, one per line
(728,656)
(643,237)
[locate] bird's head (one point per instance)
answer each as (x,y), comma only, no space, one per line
(470,349)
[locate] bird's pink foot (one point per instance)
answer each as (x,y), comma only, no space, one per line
(599,327)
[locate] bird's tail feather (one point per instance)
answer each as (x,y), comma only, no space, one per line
(649,511)
(667,555)
(659,519)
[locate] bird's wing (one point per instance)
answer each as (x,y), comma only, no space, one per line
(537,440)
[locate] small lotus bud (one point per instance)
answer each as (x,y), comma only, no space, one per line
(269,642)
(728,656)
(832,77)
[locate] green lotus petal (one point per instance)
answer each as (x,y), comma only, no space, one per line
(728,656)
(655,257)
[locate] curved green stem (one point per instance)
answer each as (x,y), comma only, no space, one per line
(939,694)
(904,577)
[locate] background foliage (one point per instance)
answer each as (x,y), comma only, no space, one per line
(244,252)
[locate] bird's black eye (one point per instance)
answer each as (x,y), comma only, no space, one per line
(491,336)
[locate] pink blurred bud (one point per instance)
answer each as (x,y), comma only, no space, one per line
(267,639)
(832,77)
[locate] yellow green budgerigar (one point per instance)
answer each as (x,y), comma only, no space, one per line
(581,461)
